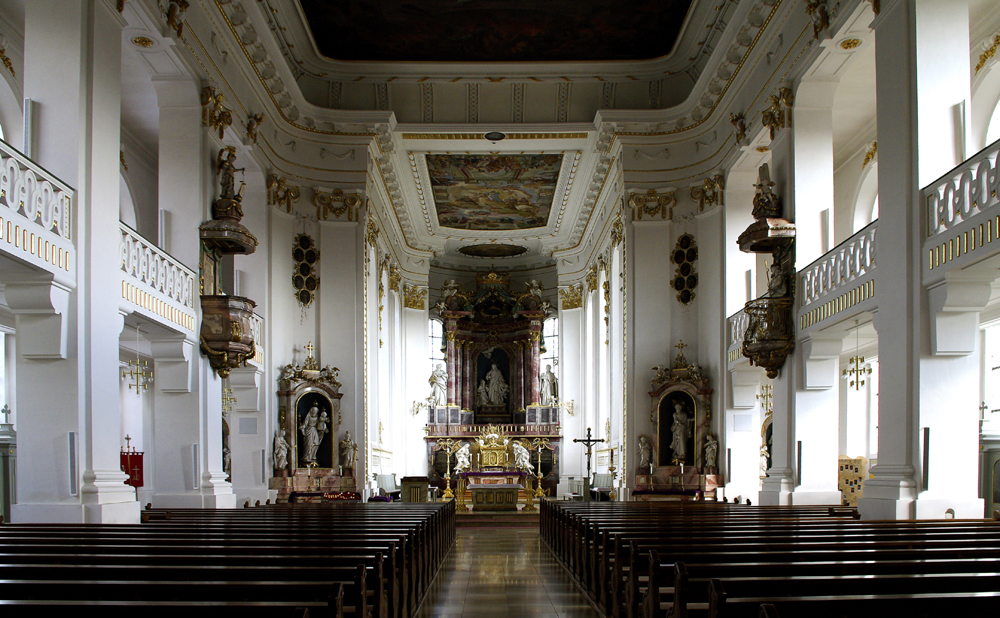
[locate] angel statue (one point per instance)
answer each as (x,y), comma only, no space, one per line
(522,459)
(463,458)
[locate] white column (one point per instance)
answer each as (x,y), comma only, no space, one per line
(812,129)
(922,62)
(72,72)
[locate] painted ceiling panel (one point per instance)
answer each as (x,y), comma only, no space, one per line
(493,192)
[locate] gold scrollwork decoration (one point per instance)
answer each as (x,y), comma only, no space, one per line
(870,154)
(414,297)
(6,61)
(653,205)
(739,123)
(617,230)
(280,193)
(336,205)
(371,232)
(776,115)
(710,193)
(213,113)
(819,14)
(572,297)
(591,278)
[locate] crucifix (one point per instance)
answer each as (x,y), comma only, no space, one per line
(589,443)
(6,414)
(680,347)
(310,348)
(128,441)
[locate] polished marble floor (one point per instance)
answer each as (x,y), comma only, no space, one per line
(503,572)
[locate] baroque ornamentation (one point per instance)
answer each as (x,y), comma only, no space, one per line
(870,154)
(819,15)
(6,61)
(371,232)
(617,230)
(175,15)
(770,334)
(253,125)
(591,278)
(652,204)
(984,57)
(336,205)
(739,123)
(305,279)
(685,254)
(766,204)
(213,113)
(394,277)
(710,193)
(777,115)
(414,297)
(280,193)
(572,297)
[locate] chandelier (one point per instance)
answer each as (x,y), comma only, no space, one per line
(856,369)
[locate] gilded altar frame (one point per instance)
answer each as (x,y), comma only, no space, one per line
(687,383)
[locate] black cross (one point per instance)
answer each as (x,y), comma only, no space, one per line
(589,443)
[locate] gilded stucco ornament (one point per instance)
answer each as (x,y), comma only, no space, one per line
(591,278)
(213,113)
(710,193)
(652,205)
(819,14)
(777,115)
(336,205)
(280,193)
(414,297)
(572,297)
(740,126)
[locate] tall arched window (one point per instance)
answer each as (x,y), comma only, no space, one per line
(436,335)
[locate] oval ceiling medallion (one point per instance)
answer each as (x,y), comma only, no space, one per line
(492,250)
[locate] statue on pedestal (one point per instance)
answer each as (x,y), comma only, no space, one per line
(711,451)
(439,383)
(549,387)
(681,430)
(313,429)
(347,450)
(645,452)
(280,451)
(496,386)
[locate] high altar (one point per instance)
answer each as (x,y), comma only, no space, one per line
(493,344)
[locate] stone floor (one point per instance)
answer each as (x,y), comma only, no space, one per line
(500,573)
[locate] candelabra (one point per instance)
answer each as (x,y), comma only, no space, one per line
(449,446)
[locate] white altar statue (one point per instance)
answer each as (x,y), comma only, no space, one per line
(549,387)
(645,452)
(347,450)
(711,451)
(496,386)
(522,459)
(439,383)
(681,430)
(463,458)
(280,451)
(313,429)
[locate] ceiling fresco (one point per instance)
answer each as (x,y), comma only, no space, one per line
(495,30)
(493,192)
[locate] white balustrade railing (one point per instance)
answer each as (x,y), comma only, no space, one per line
(29,190)
(257,327)
(967,190)
(738,323)
(849,261)
(154,280)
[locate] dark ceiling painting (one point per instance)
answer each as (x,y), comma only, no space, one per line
(493,192)
(495,30)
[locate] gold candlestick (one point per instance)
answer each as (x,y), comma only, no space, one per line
(449,446)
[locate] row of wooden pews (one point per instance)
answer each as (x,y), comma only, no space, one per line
(336,559)
(685,559)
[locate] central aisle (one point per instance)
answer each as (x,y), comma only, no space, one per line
(503,572)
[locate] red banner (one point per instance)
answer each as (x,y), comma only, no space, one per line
(132,466)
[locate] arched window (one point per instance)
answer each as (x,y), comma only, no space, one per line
(436,330)
(550,344)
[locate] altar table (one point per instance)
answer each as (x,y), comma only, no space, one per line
(495,496)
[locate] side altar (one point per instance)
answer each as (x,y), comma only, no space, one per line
(309,463)
(681,461)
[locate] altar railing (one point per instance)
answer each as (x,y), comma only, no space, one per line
(155,283)
(839,281)
(963,218)
(36,213)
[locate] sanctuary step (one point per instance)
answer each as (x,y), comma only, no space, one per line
(513,519)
